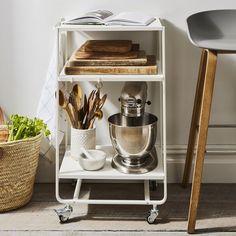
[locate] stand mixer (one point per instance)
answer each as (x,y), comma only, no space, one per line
(133,131)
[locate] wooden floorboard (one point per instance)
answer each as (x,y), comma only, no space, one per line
(217,212)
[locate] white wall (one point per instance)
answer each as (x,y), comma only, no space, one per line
(26,45)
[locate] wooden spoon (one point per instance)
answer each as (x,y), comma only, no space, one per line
(102,101)
(85,103)
(91,100)
(73,114)
(64,104)
(98,114)
(78,94)
(75,108)
(89,108)
(93,107)
(82,113)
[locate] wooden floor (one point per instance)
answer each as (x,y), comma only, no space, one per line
(217,212)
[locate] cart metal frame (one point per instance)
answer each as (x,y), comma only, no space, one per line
(66,169)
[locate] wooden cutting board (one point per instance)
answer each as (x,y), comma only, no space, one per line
(140,60)
(120,46)
(148,69)
(108,55)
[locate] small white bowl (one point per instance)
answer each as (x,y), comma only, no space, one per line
(93,164)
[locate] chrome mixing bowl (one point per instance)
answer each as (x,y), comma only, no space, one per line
(133,137)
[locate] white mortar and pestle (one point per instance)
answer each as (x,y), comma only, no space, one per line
(92,159)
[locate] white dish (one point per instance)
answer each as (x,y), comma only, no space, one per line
(98,161)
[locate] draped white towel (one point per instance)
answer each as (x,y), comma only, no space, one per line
(47,109)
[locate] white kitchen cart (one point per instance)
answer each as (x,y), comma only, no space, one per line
(69,168)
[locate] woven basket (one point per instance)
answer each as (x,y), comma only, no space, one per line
(18,165)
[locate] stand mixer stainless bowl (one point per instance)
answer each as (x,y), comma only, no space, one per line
(133,132)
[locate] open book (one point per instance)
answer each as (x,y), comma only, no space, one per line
(105,17)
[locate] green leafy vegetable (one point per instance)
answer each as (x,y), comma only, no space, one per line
(22,127)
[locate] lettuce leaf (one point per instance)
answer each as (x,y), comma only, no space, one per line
(22,127)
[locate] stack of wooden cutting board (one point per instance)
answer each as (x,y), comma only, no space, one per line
(110,57)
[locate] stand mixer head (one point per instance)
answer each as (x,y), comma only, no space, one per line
(133,99)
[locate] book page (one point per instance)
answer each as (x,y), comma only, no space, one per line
(93,17)
(132,18)
(100,14)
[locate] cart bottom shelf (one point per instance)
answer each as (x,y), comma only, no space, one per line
(71,169)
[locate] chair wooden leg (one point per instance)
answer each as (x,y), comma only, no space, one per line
(202,137)
(195,118)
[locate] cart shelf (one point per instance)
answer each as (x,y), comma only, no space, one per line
(71,169)
(110,78)
(154,26)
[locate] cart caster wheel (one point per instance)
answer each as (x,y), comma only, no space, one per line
(64,213)
(63,219)
(153,185)
(152,216)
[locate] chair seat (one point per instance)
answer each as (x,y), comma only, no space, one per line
(224,44)
(213,29)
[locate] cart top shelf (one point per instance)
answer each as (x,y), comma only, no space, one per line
(154,26)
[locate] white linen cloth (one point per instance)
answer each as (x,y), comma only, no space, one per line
(47,110)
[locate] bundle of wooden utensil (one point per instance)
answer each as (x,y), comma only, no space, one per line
(110,57)
(82,111)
